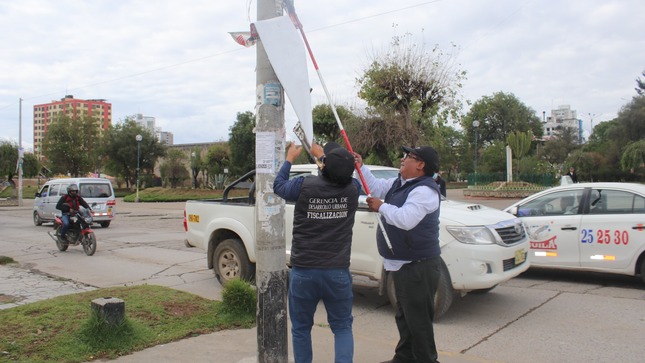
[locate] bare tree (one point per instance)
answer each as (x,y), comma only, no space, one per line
(406,87)
(641,85)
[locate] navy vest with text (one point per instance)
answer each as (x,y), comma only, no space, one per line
(322,224)
(420,242)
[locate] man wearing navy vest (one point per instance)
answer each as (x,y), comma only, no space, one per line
(323,219)
(410,215)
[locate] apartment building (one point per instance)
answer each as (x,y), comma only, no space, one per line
(561,117)
(45,114)
(149,123)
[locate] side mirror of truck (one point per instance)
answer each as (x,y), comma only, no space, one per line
(513,211)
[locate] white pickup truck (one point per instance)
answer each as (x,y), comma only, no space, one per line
(480,246)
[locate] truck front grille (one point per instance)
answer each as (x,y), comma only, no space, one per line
(511,234)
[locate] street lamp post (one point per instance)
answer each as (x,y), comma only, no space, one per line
(98,167)
(192,167)
(476,127)
(139,138)
(591,116)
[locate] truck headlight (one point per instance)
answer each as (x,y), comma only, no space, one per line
(478,235)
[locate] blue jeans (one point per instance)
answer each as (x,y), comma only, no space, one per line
(307,286)
(65,219)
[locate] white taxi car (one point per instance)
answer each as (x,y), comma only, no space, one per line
(587,226)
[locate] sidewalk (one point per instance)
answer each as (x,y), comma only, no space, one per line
(240,346)
(19,286)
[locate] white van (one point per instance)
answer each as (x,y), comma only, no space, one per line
(97,192)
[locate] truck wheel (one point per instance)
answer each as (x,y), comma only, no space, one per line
(230,261)
(442,298)
(643,270)
(105,224)
(37,220)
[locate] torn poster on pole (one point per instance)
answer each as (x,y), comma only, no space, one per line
(288,57)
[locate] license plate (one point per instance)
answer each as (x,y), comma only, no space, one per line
(520,256)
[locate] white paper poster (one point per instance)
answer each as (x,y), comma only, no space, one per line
(264,152)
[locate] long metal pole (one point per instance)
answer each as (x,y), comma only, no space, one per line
(296,22)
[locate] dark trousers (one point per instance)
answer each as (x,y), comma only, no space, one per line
(415,284)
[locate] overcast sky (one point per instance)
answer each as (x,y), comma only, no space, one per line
(175,61)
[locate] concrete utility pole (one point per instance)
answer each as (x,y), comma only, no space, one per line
(271,272)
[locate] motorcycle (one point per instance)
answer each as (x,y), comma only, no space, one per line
(79,232)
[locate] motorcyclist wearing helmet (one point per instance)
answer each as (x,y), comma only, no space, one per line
(69,204)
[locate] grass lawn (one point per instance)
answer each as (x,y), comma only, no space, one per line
(63,329)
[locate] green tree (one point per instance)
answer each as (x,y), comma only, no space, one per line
(70,144)
(406,87)
(632,119)
(8,159)
(603,142)
(217,161)
(173,169)
(633,157)
(610,139)
(449,144)
(588,164)
(196,165)
(493,159)
(498,116)
(122,149)
(557,150)
(30,165)
(242,144)
(325,125)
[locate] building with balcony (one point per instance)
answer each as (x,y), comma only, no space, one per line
(46,113)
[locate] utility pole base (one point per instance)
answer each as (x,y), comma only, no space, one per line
(272,316)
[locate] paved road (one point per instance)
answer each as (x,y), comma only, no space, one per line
(538,317)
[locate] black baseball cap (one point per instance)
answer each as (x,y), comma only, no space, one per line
(339,162)
(427,154)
